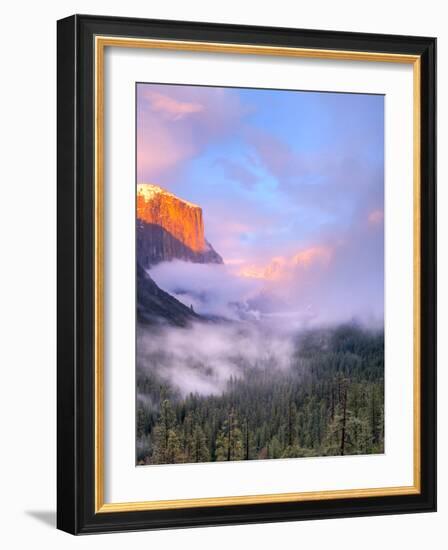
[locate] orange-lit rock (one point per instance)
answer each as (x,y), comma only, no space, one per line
(180,218)
(169,227)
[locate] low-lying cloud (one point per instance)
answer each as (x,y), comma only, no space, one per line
(333,282)
(211,289)
(202,358)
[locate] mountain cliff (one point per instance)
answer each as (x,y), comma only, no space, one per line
(157,307)
(170,228)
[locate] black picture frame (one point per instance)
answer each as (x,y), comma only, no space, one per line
(76,272)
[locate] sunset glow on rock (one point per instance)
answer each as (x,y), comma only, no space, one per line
(182,219)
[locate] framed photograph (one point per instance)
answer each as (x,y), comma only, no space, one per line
(246,274)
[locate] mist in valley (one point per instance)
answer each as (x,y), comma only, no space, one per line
(254,385)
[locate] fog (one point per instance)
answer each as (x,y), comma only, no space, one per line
(255,322)
(342,284)
(212,289)
(202,358)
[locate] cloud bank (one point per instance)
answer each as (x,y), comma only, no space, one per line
(202,359)
(320,285)
(212,289)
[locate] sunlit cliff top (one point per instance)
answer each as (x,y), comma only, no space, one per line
(149,191)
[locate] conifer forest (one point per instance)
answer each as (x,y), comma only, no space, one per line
(328,401)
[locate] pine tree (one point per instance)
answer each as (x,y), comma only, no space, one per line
(344,419)
(141,426)
(167,444)
(275,448)
(291,425)
(198,446)
(229,443)
(187,436)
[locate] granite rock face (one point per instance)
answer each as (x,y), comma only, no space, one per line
(170,228)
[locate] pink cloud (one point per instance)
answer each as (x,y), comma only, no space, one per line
(171,107)
(313,254)
(175,123)
(158,150)
(375,217)
(283,268)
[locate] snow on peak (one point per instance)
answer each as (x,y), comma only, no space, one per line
(149,191)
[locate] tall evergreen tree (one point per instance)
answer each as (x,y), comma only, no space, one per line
(198,447)
(167,444)
(229,443)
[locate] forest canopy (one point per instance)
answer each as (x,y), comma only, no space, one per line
(328,401)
